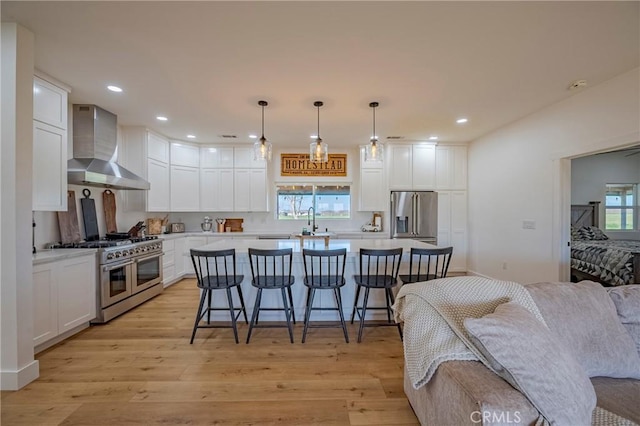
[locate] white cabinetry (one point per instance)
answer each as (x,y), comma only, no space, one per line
(185,189)
(146,154)
(49,146)
(250,190)
(216,190)
(185,178)
(373,189)
(216,179)
(158,196)
(64,297)
(180,258)
(452,226)
(451,167)
(168,262)
(412,167)
(190,243)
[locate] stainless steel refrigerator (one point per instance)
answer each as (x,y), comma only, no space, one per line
(414,214)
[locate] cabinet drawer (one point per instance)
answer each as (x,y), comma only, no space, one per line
(169,257)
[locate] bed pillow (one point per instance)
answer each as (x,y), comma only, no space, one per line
(523,351)
(592,233)
(627,301)
(583,316)
(575,235)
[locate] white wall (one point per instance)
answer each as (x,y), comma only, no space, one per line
(590,174)
(17,364)
(515,175)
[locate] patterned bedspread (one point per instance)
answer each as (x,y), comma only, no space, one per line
(609,260)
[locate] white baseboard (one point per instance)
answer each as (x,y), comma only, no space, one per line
(14,380)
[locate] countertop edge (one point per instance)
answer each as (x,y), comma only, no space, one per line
(49,256)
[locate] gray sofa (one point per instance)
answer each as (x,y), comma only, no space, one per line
(468,393)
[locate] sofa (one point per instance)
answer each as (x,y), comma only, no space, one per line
(597,329)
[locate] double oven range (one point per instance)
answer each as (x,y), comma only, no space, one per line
(130,273)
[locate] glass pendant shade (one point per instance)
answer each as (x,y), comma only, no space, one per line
(374,151)
(318,150)
(262,148)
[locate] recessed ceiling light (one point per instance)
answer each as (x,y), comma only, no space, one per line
(462,120)
(191,136)
(253,136)
(114,89)
(161,118)
(433,138)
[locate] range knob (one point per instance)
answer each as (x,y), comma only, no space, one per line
(125,253)
(117,254)
(109,256)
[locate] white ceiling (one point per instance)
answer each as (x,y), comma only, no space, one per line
(205,65)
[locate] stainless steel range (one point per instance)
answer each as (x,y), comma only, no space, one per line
(130,273)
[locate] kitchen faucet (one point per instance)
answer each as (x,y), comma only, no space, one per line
(314,228)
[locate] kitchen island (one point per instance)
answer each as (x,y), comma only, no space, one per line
(322,298)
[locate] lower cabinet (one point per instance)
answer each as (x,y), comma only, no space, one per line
(452,226)
(64,296)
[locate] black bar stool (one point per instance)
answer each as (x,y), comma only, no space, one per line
(216,270)
(427,264)
(271,270)
(378,270)
(324,270)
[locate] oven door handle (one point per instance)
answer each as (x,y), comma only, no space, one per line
(112,267)
(142,259)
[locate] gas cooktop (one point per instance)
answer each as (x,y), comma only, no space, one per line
(103,243)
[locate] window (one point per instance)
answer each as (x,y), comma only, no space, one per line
(328,201)
(621,207)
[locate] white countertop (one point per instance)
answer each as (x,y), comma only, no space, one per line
(47,256)
(250,234)
(352,246)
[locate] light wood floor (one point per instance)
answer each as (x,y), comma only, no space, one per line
(140,369)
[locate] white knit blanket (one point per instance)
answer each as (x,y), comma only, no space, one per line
(433,313)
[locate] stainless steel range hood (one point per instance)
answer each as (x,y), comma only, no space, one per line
(95,151)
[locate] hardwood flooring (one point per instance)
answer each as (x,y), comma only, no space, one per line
(140,369)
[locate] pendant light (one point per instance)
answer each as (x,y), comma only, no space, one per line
(262,148)
(373,152)
(318,150)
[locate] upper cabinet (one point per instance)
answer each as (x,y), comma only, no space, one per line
(216,157)
(412,166)
(146,154)
(427,167)
(451,167)
(243,158)
(373,193)
(49,103)
(49,146)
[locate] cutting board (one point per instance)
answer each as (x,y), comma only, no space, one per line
(109,207)
(68,221)
(234,224)
(89,216)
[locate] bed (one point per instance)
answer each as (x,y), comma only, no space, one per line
(595,257)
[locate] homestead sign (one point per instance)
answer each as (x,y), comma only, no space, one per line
(299,165)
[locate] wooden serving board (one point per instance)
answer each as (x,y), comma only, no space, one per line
(234,224)
(68,221)
(109,207)
(154,226)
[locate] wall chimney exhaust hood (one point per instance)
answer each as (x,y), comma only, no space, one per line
(95,150)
